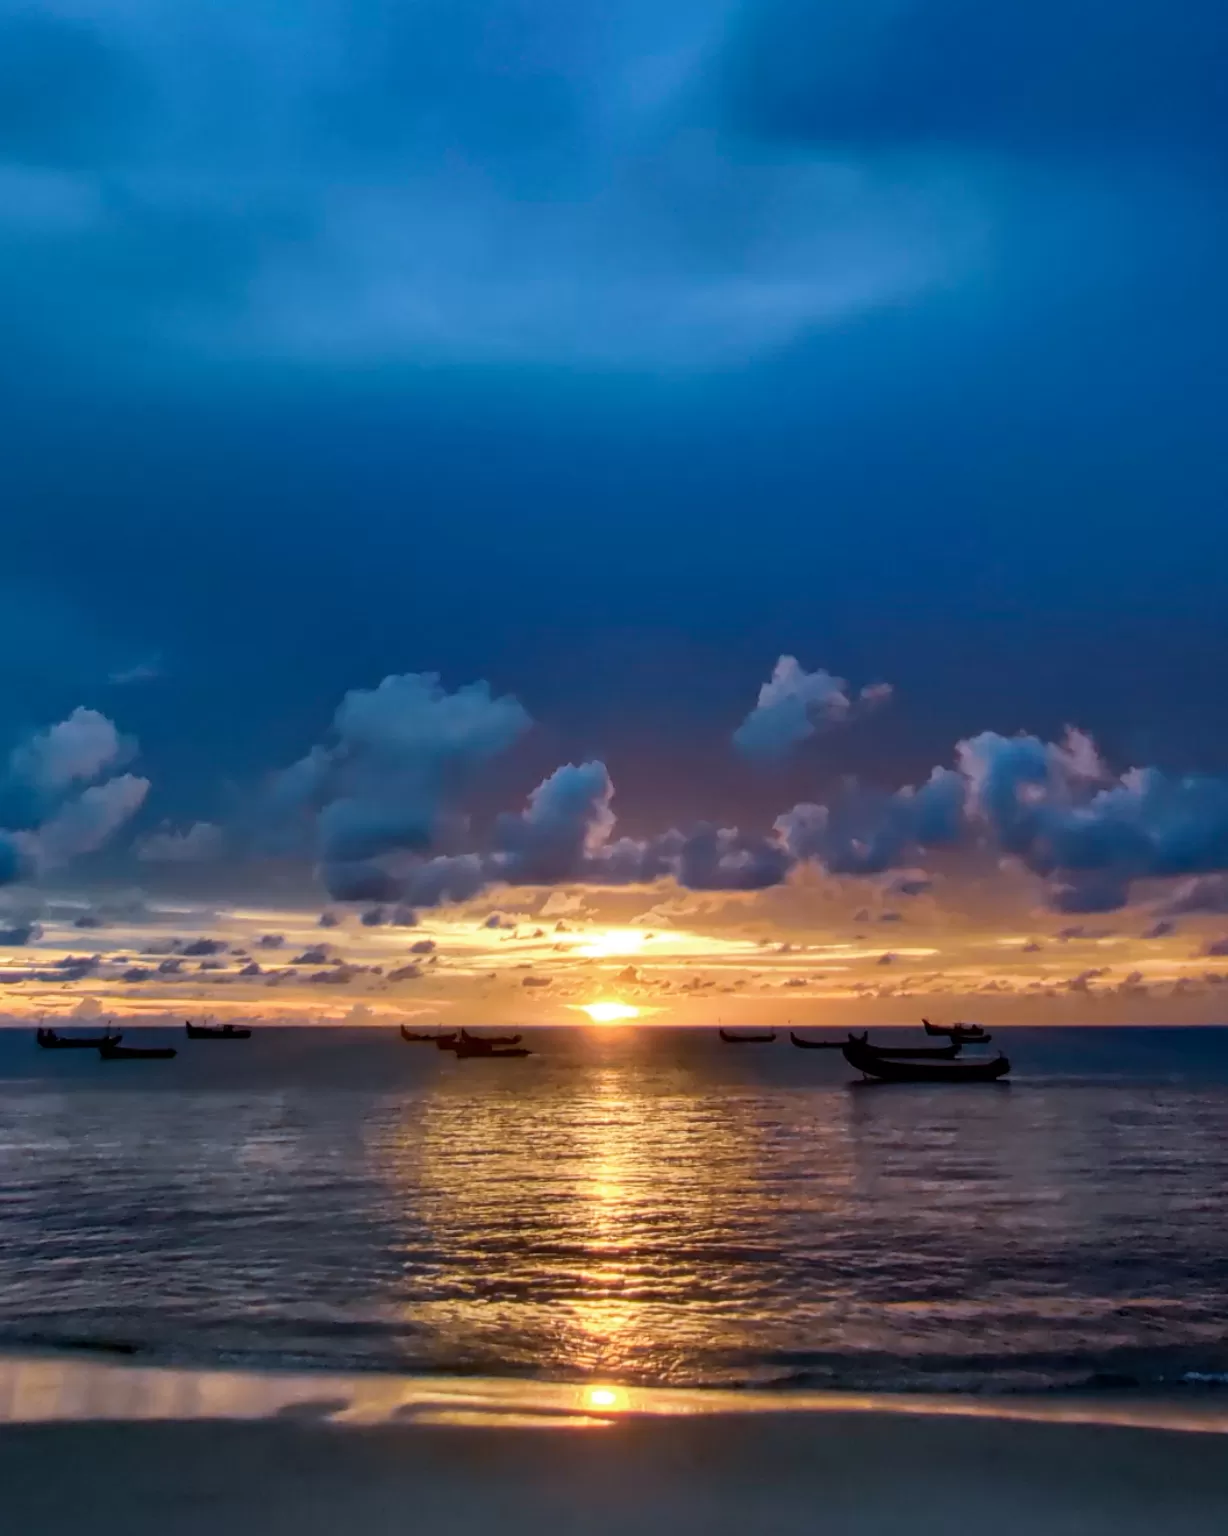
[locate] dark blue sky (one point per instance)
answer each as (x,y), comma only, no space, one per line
(607,353)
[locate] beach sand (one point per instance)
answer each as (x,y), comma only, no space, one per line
(860,1473)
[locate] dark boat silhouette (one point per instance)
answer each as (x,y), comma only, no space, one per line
(969,1033)
(911,1052)
(746,1039)
(467,1050)
(485,1040)
(816,1045)
(411,1038)
(109,1051)
(887,1069)
(216,1032)
(49,1040)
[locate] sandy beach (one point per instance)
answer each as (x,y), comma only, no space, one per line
(154,1454)
(839,1473)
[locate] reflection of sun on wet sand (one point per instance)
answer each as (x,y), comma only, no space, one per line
(316,1457)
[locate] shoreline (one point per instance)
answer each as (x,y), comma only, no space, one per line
(58,1387)
(118,1450)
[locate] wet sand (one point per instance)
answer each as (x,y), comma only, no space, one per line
(867,1472)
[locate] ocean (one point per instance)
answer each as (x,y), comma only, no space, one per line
(642,1206)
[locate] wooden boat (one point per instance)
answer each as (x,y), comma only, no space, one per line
(887,1069)
(911,1052)
(216,1032)
(51,1041)
(816,1045)
(109,1051)
(746,1039)
(483,1040)
(965,1032)
(466,1052)
(411,1038)
(448,1042)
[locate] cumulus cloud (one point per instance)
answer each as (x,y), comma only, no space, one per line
(794,704)
(76,751)
(409,972)
(206,947)
(200,842)
(1059,809)
(866,832)
(271,940)
(84,824)
(376,789)
(316,954)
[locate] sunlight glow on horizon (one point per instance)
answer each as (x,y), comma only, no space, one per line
(615,941)
(609,1012)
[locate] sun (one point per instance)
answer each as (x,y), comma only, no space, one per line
(613,942)
(609,1013)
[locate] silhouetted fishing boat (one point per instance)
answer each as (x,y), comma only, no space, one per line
(51,1041)
(483,1040)
(911,1052)
(412,1038)
(216,1032)
(816,1045)
(486,1052)
(109,1051)
(966,1032)
(746,1039)
(888,1069)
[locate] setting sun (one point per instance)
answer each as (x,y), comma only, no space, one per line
(615,941)
(609,1013)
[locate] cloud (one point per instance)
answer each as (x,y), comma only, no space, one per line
(75,751)
(1060,810)
(206,947)
(252,968)
(866,832)
(423,947)
(1204,893)
(21,934)
(793,704)
(1159,930)
(568,820)
(410,972)
(537,981)
(340,976)
(373,917)
(1215,947)
(271,940)
(202,841)
(377,788)
(150,671)
(316,954)
(85,824)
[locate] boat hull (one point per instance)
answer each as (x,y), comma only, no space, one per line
(136,1052)
(887,1069)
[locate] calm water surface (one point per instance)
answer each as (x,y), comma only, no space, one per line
(631,1205)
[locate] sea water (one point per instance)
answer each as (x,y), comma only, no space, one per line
(633,1205)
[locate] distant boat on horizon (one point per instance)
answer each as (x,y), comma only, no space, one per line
(216,1032)
(730,1039)
(50,1040)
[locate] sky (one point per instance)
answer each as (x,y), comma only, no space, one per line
(747,472)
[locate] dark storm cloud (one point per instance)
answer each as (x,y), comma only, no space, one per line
(22,934)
